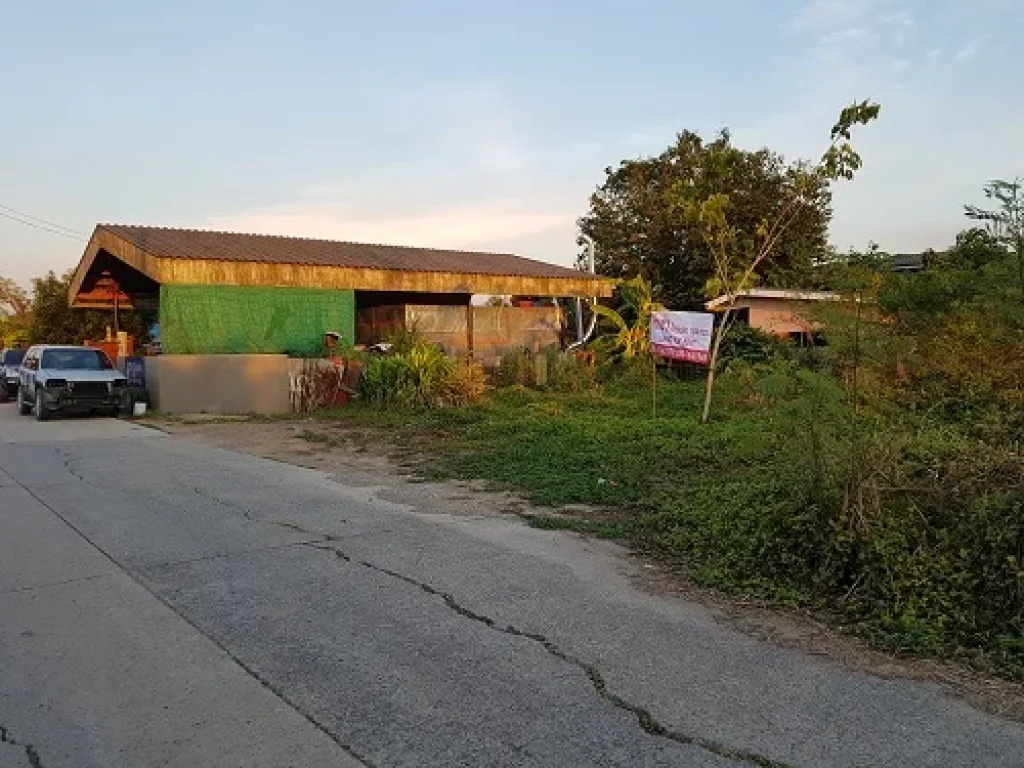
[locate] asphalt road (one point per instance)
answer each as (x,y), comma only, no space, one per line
(167,604)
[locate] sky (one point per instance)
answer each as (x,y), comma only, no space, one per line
(477,124)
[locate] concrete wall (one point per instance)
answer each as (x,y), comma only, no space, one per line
(499,331)
(227,384)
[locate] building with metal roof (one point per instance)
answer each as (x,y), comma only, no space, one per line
(218,292)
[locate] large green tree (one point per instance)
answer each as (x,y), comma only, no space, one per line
(55,322)
(639,216)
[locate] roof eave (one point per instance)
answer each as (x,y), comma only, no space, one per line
(181,271)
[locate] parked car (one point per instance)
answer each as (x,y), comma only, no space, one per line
(69,380)
(10,362)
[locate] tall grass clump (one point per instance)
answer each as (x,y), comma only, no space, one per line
(418,374)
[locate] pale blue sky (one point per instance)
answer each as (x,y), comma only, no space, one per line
(468,123)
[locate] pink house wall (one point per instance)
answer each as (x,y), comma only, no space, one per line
(777,316)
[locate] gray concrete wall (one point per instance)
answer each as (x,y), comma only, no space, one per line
(229,384)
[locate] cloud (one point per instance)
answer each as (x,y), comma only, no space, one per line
(463,165)
(833,14)
(970,49)
(966,52)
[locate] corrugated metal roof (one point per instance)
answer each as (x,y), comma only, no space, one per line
(237,246)
(775,293)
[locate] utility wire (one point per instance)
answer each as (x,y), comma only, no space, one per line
(40,220)
(55,229)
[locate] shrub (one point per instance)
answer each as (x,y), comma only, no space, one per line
(515,368)
(419,374)
(751,345)
(568,372)
(465,384)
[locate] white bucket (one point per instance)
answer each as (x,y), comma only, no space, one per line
(139,409)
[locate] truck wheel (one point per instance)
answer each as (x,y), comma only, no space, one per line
(42,412)
(23,408)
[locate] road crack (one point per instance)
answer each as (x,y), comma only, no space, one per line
(31,753)
(647,721)
(245,511)
(68,458)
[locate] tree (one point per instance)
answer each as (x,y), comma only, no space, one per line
(15,311)
(55,322)
(640,228)
(1005,222)
(742,250)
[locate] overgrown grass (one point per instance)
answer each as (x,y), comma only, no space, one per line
(907,531)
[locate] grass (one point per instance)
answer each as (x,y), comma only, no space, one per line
(597,447)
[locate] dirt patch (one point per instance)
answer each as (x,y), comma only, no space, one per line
(363,457)
(356,457)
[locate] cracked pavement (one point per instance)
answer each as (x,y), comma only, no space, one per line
(164,603)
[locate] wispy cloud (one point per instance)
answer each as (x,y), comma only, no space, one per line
(971,48)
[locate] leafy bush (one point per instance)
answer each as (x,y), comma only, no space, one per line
(750,345)
(419,374)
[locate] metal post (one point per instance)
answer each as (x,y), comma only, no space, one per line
(582,336)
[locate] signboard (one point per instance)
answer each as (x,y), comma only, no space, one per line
(682,335)
(135,372)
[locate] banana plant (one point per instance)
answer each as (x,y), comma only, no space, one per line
(631,340)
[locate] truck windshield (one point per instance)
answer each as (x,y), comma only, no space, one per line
(75,360)
(13,356)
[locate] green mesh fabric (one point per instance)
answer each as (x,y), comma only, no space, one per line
(200,319)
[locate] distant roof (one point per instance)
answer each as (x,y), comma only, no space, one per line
(239,247)
(775,293)
(907,262)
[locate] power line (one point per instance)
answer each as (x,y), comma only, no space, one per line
(63,231)
(40,220)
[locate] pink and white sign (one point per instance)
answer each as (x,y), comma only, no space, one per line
(682,335)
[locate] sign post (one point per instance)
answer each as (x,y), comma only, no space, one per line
(654,387)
